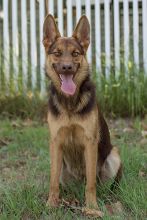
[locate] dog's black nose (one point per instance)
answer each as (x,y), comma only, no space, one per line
(67,67)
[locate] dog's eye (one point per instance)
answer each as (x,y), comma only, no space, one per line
(75,54)
(57,54)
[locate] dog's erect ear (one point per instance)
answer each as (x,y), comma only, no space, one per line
(50,31)
(82,32)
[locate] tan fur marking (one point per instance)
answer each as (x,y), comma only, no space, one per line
(64,121)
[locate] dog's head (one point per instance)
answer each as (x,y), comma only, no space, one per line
(66,63)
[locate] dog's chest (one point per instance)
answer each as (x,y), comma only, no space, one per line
(73,148)
(72,134)
(72,142)
(73,129)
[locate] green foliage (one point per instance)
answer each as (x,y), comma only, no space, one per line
(23,106)
(125,95)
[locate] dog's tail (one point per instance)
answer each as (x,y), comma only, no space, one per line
(117,179)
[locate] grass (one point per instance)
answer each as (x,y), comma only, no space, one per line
(24,168)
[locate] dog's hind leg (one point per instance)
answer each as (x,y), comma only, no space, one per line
(112,168)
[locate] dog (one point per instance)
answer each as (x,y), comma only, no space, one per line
(80,146)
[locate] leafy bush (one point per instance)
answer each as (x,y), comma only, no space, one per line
(125,96)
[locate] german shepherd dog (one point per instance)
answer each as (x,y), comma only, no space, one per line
(80,144)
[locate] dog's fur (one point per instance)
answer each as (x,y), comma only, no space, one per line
(79,137)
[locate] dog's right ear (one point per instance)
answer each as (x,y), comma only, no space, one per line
(50,31)
(82,32)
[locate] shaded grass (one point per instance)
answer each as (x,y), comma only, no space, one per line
(24,171)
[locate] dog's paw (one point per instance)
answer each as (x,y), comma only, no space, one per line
(53,202)
(92,212)
(92,205)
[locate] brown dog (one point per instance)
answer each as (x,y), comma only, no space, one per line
(79,143)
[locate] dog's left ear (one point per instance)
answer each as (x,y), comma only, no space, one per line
(50,31)
(82,32)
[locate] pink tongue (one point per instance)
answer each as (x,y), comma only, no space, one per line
(67,84)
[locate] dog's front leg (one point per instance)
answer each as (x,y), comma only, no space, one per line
(56,164)
(91,161)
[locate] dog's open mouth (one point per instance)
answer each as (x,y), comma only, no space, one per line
(67,84)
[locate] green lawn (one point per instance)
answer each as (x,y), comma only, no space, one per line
(24,168)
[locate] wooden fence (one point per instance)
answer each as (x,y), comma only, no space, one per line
(118,35)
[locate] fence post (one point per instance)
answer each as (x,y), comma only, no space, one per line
(98,40)
(88,14)
(6,43)
(136,33)
(126,32)
(107,37)
(60,16)
(78,10)
(15,43)
(33,42)
(24,45)
(42,55)
(69,18)
(144,22)
(116,37)
(50,7)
